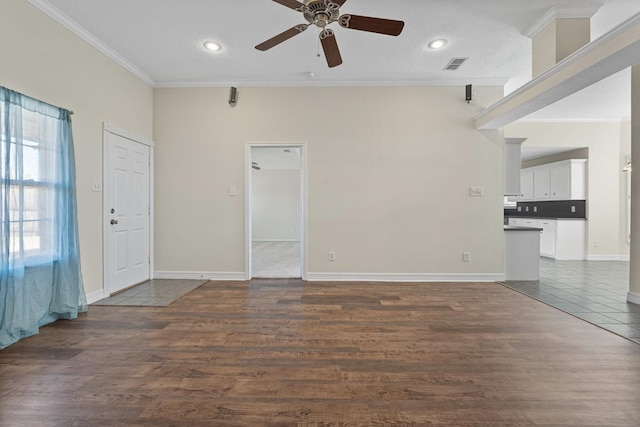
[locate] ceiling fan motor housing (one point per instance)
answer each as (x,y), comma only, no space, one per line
(321,12)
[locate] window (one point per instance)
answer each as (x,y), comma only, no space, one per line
(27,162)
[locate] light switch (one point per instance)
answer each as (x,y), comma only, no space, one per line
(232,191)
(476,192)
(96,186)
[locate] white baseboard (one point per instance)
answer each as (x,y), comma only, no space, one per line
(276,240)
(208,275)
(403,277)
(95,296)
(633,297)
(607,258)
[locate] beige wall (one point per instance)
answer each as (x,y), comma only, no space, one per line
(42,59)
(388,178)
(605,176)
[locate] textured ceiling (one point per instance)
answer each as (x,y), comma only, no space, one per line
(161,40)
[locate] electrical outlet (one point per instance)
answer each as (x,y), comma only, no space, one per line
(332,256)
(573,209)
(596,243)
(466,256)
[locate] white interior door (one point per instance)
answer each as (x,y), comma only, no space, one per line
(128,211)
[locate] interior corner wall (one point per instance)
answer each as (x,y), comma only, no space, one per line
(603,140)
(44,60)
(276,205)
(389,171)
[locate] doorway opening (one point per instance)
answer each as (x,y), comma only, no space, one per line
(276,214)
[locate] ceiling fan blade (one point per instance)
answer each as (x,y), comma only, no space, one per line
(293,4)
(330,47)
(274,41)
(339,2)
(373,25)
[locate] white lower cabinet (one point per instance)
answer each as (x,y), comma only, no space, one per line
(561,239)
(548,237)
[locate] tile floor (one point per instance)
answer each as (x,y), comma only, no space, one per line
(153,293)
(595,291)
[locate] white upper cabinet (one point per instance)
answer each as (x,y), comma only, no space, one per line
(526,184)
(541,183)
(560,176)
(565,180)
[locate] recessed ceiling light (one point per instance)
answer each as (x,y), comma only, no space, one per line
(437,44)
(213,46)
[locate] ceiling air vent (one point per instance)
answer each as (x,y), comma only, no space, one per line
(455,63)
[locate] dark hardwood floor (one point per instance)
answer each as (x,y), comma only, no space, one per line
(284,352)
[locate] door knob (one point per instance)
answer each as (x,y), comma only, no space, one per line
(114,221)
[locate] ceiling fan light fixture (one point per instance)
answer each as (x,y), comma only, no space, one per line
(437,44)
(212,46)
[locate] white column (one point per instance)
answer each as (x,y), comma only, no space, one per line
(634,264)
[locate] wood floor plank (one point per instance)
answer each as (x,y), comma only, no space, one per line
(284,352)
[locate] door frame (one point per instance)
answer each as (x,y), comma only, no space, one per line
(106,188)
(248,232)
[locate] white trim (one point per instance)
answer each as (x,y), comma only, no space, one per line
(152,211)
(404,277)
(576,120)
(633,297)
(561,13)
(276,240)
(303,197)
(208,275)
(95,296)
(127,134)
(607,258)
(608,64)
(64,20)
(338,83)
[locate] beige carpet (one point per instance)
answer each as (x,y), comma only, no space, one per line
(280,260)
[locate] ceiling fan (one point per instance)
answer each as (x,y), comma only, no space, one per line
(321,13)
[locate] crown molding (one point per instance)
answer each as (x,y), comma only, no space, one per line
(78,30)
(342,83)
(554,13)
(572,120)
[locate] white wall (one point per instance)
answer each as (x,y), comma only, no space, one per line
(625,151)
(605,176)
(388,177)
(42,59)
(276,205)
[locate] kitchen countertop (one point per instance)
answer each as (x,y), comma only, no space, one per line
(545,217)
(516,228)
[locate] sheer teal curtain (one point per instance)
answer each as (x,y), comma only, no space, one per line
(40,279)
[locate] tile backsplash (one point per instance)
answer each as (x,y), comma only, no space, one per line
(551,209)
